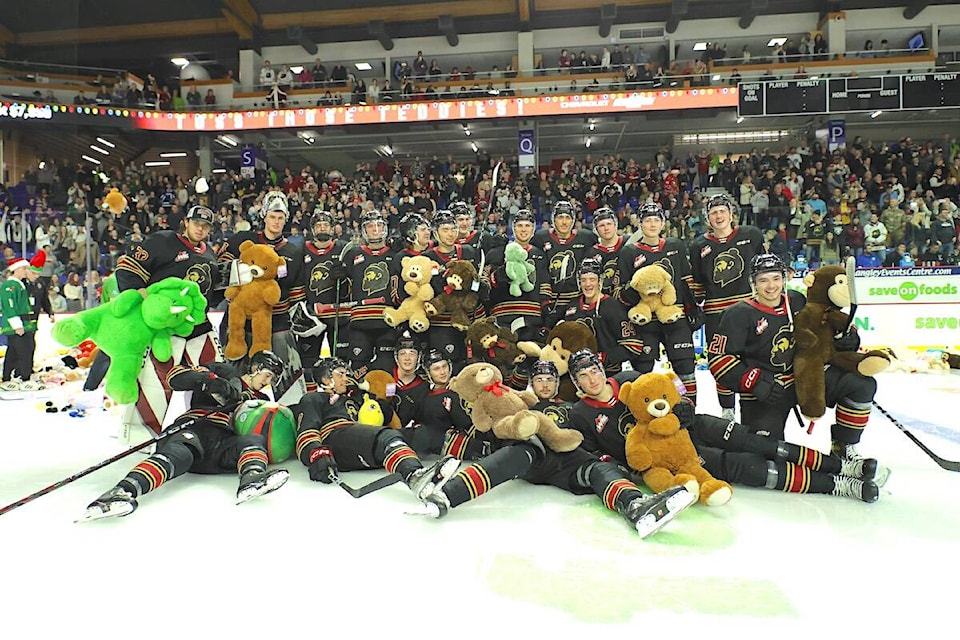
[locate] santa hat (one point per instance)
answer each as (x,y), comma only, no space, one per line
(37,261)
(15,263)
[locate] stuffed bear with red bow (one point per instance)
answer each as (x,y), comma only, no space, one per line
(489,342)
(458,298)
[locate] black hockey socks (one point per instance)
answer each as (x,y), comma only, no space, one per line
(252,460)
(689,381)
(150,474)
(791,478)
(806,457)
(727,398)
(400,458)
(505,464)
(852,418)
(608,483)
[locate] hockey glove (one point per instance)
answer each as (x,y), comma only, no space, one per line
(323,467)
(763,385)
(303,324)
(685,411)
(849,341)
(233,273)
(222,390)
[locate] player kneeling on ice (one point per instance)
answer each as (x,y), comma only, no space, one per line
(231,426)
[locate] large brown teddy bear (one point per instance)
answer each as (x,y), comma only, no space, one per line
(563,340)
(489,342)
(253,301)
(658,296)
(416,272)
(658,448)
(458,298)
(820,319)
(498,408)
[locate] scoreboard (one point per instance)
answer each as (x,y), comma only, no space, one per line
(849,95)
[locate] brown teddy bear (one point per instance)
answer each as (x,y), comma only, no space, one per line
(253,301)
(489,342)
(820,319)
(416,272)
(658,448)
(658,296)
(496,407)
(458,298)
(563,340)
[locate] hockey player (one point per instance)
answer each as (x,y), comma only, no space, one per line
(182,254)
(368,268)
(607,318)
(410,389)
(414,239)
(719,263)
(676,337)
(328,442)
(578,472)
(563,248)
(210,445)
(752,353)
(319,316)
(608,248)
(468,234)
(290,386)
(442,410)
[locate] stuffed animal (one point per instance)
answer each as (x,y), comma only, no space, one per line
(952,359)
(458,297)
(382,387)
(489,342)
(520,272)
(253,301)
(658,448)
(115,201)
(136,319)
(658,296)
(815,325)
(563,340)
(416,272)
(498,408)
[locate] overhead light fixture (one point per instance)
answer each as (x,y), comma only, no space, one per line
(387,149)
(157,163)
(715,77)
(777,42)
(308,137)
(99,150)
(297,69)
(362,66)
(740,120)
(466,130)
(473,145)
(588,142)
(180,62)
(42,165)
(89,159)
(105,142)
(228,141)
(174,154)
(700,46)
(876,113)
(219,171)
(593,125)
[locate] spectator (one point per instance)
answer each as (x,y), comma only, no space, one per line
(338,76)
(854,237)
(876,238)
(194,99)
(318,73)
(868,50)
(58,304)
(895,221)
(267,75)
(434,71)
(285,79)
(420,67)
(73,292)
(373,92)
(80,98)
(819,47)
(210,99)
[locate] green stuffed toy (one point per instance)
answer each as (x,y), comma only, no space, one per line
(135,320)
(518,269)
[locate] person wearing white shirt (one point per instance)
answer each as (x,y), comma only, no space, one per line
(267,74)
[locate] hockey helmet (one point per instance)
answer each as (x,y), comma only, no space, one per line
(266,360)
(564,208)
(721,200)
(321,216)
(373,228)
(581,361)
(409,225)
(524,215)
(603,213)
(461,208)
(433,357)
(766,263)
(651,210)
(593,265)
(275,201)
(325,367)
(544,368)
(444,217)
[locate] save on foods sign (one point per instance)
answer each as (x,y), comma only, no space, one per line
(916,285)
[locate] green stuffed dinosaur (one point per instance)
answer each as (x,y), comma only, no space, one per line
(518,269)
(134,321)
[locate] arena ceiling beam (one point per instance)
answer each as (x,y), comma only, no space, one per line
(6,37)
(400,13)
(913,9)
(124,32)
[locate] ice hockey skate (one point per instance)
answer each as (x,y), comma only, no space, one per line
(115,503)
(428,479)
(651,513)
(258,483)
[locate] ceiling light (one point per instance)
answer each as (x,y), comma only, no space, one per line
(387,149)
(174,154)
(157,163)
(297,69)
(180,62)
(740,120)
(106,142)
(466,130)
(774,42)
(363,66)
(473,145)
(876,113)
(99,150)
(89,159)
(219,171)
(588,142)
(593,125)
(700,46)
(42,165)
(228,141)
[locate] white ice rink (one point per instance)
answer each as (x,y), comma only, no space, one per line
(522,561)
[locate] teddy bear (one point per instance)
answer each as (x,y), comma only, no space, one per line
(489,342)
(520,272)
(132,322)
(505,411)
(814,328)
(658,448)
(458,298)
(416,272)
(381,387)
(563,340)
(253,301)
(658,296)
(115,201)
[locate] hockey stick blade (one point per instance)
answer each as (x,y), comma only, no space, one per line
(376,485)
(949,465)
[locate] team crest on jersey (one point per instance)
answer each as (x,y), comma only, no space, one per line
(705,251)
(447,404)
(639,261)
(781,350)
(183,255)
(559,414)
(358,258)
(375,278)
(563,265)
(320,279)
(200,273)
(625,423)
(600,422)
(762,325)
(141,254)
(547,246)
(728,267)
(667,266)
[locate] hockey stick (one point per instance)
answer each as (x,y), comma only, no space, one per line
(100,465)
(949,465)
(789,310)
(851,267)
(336,315)
(376,485)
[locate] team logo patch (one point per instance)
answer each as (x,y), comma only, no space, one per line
(183,255)
(140,254)
(375,278)
(705,251)
(357,350)
(449,348)
(762,325)
(728,267)
(600,422)
(781,350)
(639,261)
(358,259)
(447,404)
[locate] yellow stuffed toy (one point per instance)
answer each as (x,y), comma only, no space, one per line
(416,273)
(115,202)
(658,448)
(253,301)
(658,296)
(370,412)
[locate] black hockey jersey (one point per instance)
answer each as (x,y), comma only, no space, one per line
(609,257)
(321,287)
(563,258)
(371,285)
(408,398)
(617,337)
(525,309)
(605,425)
(753,335)
(721,267)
